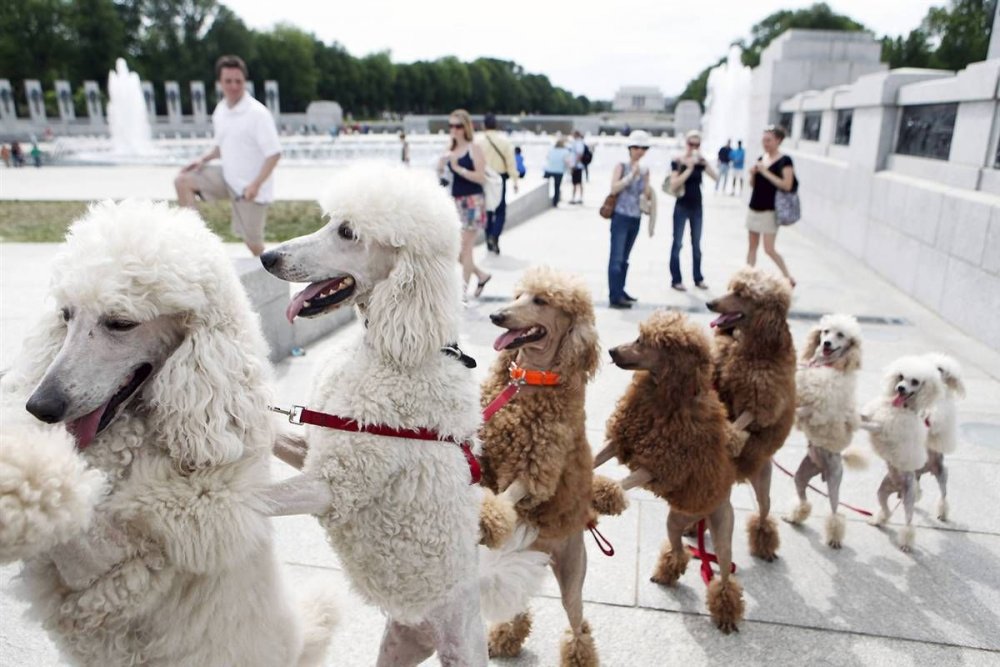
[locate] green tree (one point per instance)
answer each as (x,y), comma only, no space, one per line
(816,17)
(286,54)
(963,31)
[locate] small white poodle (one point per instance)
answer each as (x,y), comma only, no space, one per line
(942,425)
(827,413)
(896,425)
(139,512)
(402,513)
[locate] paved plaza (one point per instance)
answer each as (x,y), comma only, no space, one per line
(866,604)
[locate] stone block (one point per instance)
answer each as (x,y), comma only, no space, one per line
(921,213)
(991,249)
(930,278)
(973,122)
(969,221)
(894,255)
(971,301)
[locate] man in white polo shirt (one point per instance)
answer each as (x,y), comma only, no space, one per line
(247,142)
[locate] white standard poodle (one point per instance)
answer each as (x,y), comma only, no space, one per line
(942,426)
(401,512)
(826,412)
(896,425)
(138,512)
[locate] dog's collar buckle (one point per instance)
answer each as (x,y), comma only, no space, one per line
(294,414)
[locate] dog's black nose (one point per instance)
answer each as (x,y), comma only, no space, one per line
(613,353)
(827,345)
(270,259)
(900,389)
(48,407)
(711,305)
(498,318)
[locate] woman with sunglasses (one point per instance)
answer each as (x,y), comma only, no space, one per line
(467,163)
(686,170)
(630,181)
(771,172)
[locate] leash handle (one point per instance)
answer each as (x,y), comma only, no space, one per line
(602,542)
(862,512)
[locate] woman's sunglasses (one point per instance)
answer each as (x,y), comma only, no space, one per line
(456,126)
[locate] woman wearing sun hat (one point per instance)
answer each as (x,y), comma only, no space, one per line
(630,181)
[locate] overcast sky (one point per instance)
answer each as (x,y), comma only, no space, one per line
(588,48)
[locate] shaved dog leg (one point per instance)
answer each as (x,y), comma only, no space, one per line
(299,495)
(515,492)
(604,456)
(638,478)
(291,449)
(743,421)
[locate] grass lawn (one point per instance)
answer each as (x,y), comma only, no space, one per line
(47,221)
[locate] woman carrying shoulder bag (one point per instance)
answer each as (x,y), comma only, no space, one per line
(630,182)
(773,171)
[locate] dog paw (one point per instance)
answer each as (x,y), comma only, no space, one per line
(942,510)
(879,519)
(609,497)
(836,526)
(725,603)
(800,513)
(578,649)
(670,567)
(506,639)
(496,520)
(906,537)
(764,538)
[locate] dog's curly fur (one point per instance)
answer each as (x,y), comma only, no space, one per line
(184,463)
(755,374)
(942,434)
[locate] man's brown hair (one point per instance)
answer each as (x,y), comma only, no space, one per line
(231,62)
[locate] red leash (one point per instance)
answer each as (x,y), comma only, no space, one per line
(706,557)
(502,399)
(300,415)
(792,475)
(602,542)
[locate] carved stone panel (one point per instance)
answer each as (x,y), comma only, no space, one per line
(64,100)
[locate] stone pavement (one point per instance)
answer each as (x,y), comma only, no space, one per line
(867,604)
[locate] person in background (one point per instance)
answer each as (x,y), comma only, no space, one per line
(500,157)
(725,156)
(519,160)
(737,156)
(557,162)
(5,155)
(467,164)
(630,181)
(578,147)
(246,142)
(36,155)
(687,169)
(773,171)
(16,154)
(405,156)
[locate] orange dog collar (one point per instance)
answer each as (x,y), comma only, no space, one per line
(532,377)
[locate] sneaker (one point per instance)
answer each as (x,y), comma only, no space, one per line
(620,305)
(701,285)
(679,287)
(629,298)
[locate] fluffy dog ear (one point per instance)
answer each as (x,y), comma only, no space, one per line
(851,360)
(414,311)
(208,397)
(812,342)
(956,384)
(770,318)
(582,348)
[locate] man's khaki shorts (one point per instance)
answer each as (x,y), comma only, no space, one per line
(248,217)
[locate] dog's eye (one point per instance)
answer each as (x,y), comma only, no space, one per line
(840,335)
(825,331)
(120,325)
(899,378)
(345,232)
(914,383)
(67,314)
(539,301)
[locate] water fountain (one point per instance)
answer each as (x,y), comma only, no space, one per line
(127,116)
(727,104)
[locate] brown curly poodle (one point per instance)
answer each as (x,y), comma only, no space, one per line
(755,378)
(672,431)
(535,449)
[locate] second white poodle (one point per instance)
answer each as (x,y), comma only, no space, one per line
(942,425)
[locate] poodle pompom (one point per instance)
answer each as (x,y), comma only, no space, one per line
(578,649)
(854,459)
(836,526)
(800,513)
(671,566)
(506,639)
(318,610)
(47,493)
(609,497)
(496,520)
(725,603)
(906,537)
(764,539)
(942,509)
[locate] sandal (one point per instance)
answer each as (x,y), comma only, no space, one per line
(480,285)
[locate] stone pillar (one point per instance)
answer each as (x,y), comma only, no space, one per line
(173,93)
(8,111)
(64,98)
(36,100)
(994,50)
(271,98)
(251,90)
(95,110)
(199,104)
(149,95)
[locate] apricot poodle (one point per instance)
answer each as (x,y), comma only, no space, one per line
(755,378)
(671,430)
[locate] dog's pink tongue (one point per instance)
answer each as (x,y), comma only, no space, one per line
(721,319)
(299,300)
(506,338)
(84,428)
(898,401)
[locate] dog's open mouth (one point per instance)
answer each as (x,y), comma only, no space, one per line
(320,297)
(899,401)
(515,338)
(84,429)
(726,320)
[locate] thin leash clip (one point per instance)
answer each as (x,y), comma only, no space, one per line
(294,415)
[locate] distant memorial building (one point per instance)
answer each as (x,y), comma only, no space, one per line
(687,116)
(638,98)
